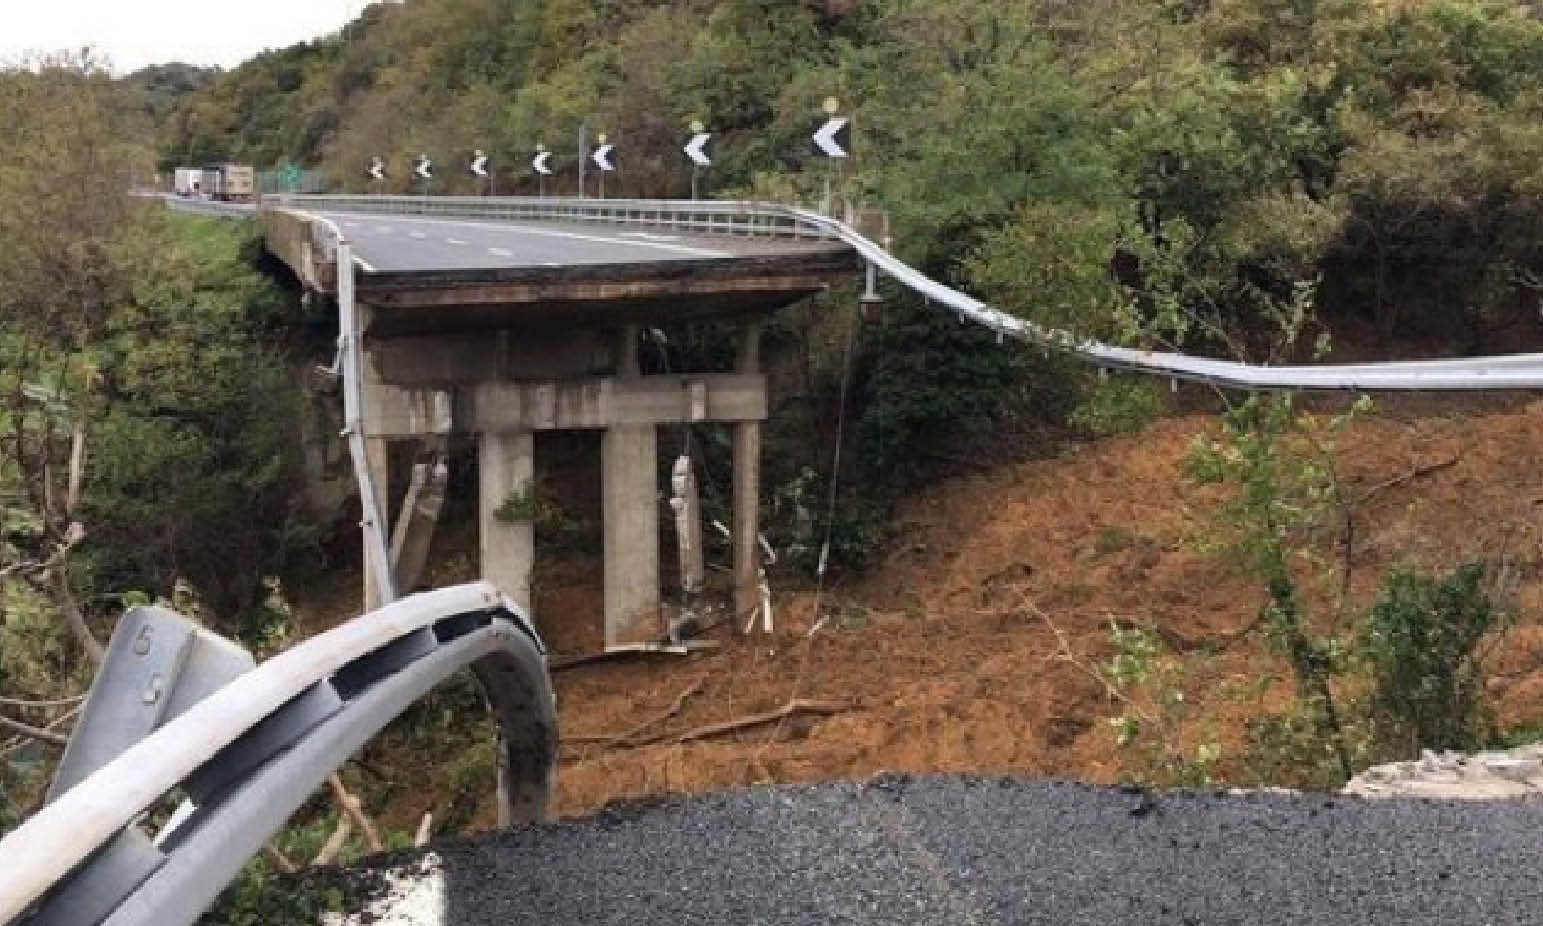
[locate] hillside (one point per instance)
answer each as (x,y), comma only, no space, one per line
(981,641)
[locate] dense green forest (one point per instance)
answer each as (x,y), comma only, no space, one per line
(1382,150)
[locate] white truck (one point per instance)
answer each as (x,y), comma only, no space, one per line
(188,181)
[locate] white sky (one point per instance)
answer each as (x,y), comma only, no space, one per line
(134,33)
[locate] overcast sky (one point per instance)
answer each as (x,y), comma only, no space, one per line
(134,33)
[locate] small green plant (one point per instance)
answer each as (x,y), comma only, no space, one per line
(1117,405)
(1421,641)
(1150,687)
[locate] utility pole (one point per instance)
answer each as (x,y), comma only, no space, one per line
(583,154)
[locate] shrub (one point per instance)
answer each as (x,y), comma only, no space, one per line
(1421,642)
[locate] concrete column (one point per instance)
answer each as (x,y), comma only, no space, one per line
(505,465)
(377,453)
(747,486)
(629,496)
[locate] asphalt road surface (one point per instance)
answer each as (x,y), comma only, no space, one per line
(390,243)
(967,851)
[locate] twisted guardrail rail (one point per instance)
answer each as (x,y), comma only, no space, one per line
(252,752)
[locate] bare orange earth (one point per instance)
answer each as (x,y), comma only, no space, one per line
(946,650)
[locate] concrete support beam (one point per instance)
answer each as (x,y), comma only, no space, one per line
(430,360)
(506,465)
(421,505)
(747,485)
(599,402)
(629,496)
(377,452)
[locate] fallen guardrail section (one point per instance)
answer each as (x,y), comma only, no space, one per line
(730,217)
(179,712)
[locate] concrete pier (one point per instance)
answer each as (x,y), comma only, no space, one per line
(747,485)
(505,467)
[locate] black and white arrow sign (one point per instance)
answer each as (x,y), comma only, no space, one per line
(696,149)
(479,164)
(602,157)
(377,168)
(834,137)
(539,162)
(421,169)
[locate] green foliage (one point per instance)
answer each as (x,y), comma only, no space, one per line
(1421,642)
(1149,684)
(1280,466)
(1121,404)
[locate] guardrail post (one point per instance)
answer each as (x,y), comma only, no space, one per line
(157,665)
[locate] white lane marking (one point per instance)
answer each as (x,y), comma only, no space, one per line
(572,236)
(500,252)
(351,224)
(649,236)
(419,235)
(454,241)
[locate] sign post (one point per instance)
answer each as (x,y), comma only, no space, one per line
(602,159)
(833,140)
(696,150)
(423,171)
(539,164)
(376,172)
(479,169)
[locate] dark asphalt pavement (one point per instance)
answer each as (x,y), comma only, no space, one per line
(407,243)
(966,851)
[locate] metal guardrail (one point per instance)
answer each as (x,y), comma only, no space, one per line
(251,753)
(1516,371)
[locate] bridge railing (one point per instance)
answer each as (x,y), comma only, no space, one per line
(248,755)
(717,217)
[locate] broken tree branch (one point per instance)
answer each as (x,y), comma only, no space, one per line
(35,733)
(611,739)
(1414,473)
(796,706)
(351,806)
(335,842)
(278,859)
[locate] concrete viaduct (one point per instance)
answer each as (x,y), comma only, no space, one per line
(501,327)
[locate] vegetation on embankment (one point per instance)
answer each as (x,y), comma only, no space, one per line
(147,413)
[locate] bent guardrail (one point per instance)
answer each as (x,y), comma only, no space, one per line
(1517,371)
(250,754)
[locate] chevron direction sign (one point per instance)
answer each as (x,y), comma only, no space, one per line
(479,164)
(422,168)
(834,138)
(377,168)
(602,157)
(696,149)
(539,162)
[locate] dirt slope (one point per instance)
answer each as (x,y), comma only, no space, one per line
(947,651)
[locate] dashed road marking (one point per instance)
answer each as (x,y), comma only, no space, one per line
(419,235)
(454,241)
(500,252)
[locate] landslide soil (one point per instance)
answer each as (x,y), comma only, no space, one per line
(968,648)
